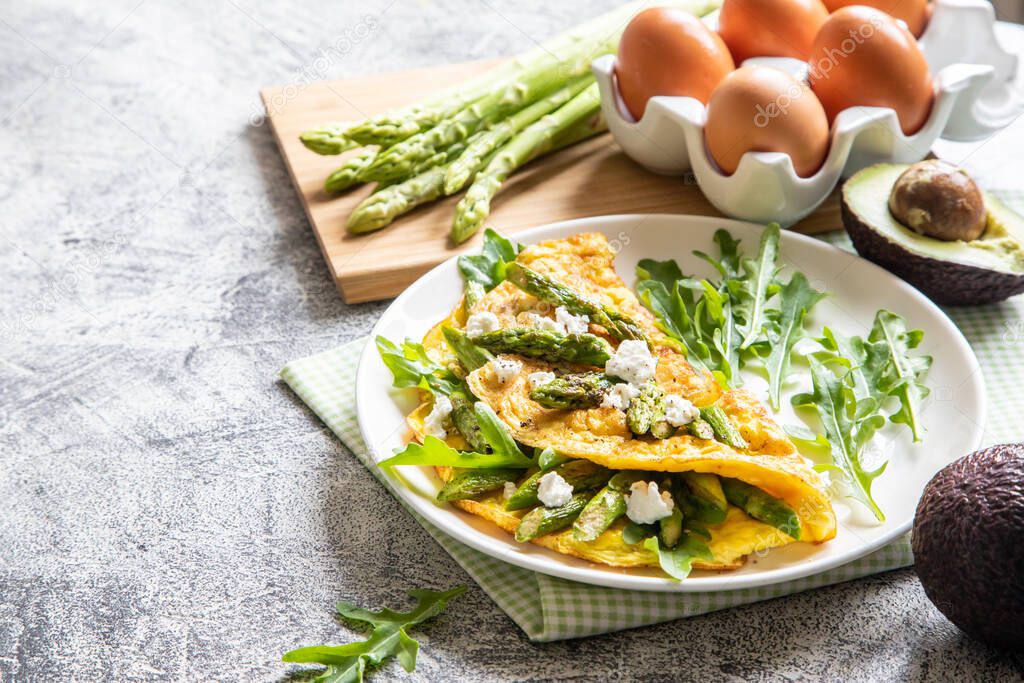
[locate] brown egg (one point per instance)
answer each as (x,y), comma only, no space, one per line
(668,51)
(760,109)
(862,57)
(770,28)
(915,13)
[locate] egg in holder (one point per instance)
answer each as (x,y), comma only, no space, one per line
(970,99)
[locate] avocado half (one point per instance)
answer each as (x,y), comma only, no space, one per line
(985,270)
(968,544)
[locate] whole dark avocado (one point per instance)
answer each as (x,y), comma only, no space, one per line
(958,272)
(968,544)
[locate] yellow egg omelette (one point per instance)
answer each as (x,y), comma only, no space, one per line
(764,472)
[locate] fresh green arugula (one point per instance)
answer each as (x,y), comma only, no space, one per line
(348,663)
(745,315)
(797,297)
(410,366)
(435,452)
(903,373)
(487,269)
(678,560)
(849,423)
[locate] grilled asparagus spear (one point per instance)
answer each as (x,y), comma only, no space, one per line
(599,513)
(464,418)
(645,409)
(725,430)
(469,354)
(476,482)
(542,520)
(555,293)
(761,506)
(551,346)
(578,390)
(706,496)
(580,474)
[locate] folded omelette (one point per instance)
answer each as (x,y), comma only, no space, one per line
(754,473)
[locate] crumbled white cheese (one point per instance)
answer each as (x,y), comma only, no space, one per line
(679,411)
(433,424)
(506,369)
(645,505)
(510,488)
(632,362)
(704,431)
(478,323)
(537,379)
(546,324)
(620,396)
(553,490)
(573,324)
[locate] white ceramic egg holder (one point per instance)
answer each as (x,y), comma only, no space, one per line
(972,101)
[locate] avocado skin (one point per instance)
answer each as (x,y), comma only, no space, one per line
(968,544)
(944,282)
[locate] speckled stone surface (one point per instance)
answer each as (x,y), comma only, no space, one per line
(168,510)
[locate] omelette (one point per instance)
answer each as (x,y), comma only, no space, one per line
(629,440)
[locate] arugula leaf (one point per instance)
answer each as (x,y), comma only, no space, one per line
(677,562)
(633,533)
(848,424)
(665,291)
(904,371)
(488,267)
(760,274)
(866,360)
(797,298)
(434,451)
(729,258)
(410,366)
(347,663)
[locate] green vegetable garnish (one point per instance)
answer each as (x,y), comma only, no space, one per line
(678,561)
(488,267)
(904,371)
(410,366)
(347,663)
(797,297)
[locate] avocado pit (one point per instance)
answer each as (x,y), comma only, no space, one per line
(936,199)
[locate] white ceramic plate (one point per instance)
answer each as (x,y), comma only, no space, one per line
(953,414)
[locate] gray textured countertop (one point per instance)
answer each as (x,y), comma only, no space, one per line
(168,510)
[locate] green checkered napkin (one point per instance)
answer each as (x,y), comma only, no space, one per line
(548,608)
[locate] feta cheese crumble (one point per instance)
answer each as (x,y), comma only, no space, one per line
(478,323)
(573,324)
(679,411)
(620,396)
(506,369)
(632,362)
(538,379)
(510,488)
(543,323)
(645,505)
(553,490)
(433,424)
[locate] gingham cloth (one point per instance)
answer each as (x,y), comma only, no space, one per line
(548,608)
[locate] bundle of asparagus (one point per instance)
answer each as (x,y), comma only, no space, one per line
(479,133)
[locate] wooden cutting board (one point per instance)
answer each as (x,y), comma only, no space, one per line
(593,178)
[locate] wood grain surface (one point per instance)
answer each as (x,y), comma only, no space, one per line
(590,179)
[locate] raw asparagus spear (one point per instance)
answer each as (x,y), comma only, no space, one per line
(551,346)
(761,506)
(460,172)
(600,512)
(580,474)
(555,293)
(329,139)
(725,430)
(464,418)
(542,520)
(348,174)
(469,354)
(645,409)
(580,114)
(578,46)
(578,390)
(476,482)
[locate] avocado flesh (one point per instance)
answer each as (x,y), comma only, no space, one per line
(988,269)
(968,544)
